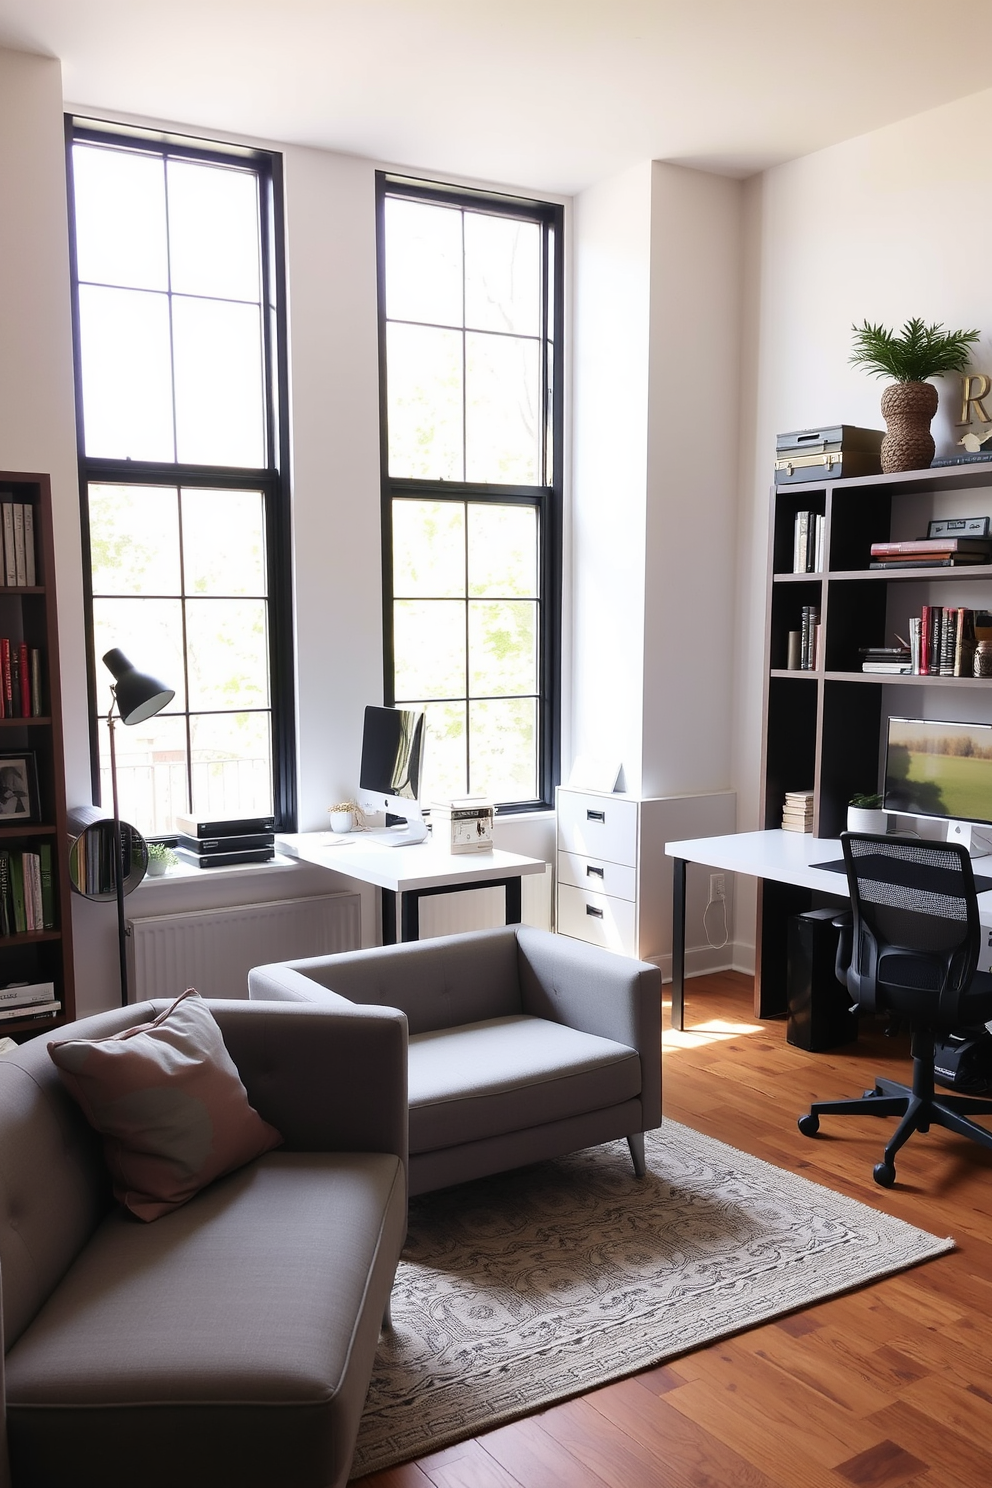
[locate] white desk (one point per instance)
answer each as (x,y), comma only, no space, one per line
(785,865)
(412,872)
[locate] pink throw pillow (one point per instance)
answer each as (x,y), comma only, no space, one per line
(168,1100)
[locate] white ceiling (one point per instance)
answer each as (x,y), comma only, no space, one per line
(549,94)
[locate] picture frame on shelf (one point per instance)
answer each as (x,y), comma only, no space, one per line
(19,798)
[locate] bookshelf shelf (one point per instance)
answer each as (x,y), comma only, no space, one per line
(28,616)
(824,727)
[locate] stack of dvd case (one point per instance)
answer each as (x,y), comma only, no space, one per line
(222,844)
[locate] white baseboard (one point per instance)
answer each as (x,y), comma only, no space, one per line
(701,960)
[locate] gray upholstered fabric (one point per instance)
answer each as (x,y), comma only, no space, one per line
(242,1270)
(511,1074)
(438,983)
(474,1113)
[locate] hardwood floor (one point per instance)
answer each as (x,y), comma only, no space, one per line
(887,1387)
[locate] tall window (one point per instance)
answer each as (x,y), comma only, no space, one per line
(470,357)
(177,288)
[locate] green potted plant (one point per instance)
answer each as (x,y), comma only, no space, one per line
(910,402)
(865,814)
(160,859)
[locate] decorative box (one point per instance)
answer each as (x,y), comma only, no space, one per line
(828,453)
(463,824)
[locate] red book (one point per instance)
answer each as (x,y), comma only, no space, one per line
(925,626)
(25,677)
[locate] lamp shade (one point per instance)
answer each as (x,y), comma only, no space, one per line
(139,696)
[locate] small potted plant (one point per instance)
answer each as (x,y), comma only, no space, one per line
(160,859)
(344,816)
(865,814)
(910,401)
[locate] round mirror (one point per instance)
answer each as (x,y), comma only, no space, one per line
(91,860)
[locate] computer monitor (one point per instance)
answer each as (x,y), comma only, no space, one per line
(941,770)
(392,763)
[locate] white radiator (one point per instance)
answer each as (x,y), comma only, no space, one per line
(214,949)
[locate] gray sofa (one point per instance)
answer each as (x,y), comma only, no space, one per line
(231,1341)
(523,1045)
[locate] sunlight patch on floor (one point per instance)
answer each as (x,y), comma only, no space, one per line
(712,1032)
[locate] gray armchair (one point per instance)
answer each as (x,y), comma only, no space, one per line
(523,1045)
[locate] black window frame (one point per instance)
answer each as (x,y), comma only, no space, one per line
(272,480)
(546,499)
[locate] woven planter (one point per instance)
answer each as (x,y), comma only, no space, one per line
(907,408)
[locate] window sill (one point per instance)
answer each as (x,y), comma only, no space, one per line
(184,873)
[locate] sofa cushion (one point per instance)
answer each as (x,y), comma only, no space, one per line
(169,1102)
(215,1342)
(508,1074)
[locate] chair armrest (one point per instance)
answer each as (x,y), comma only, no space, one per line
(598,992)
(278,982)
(331,1079)
(844,922)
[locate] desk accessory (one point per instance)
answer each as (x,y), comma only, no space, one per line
(463,824)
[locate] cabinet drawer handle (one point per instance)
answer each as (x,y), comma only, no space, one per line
(597,816)
(592,872)
(591,909)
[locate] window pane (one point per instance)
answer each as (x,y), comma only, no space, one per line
(502,409)
(423,263)
(232,765)
(424,391)
(504,749)
(502,274)
(120,217)
(219,392)
(213,230)
(429,648)
(502,550)
(224,542)
(445,765)
(126,374)
(227,650)
(134,539)
(151,772)
(502,647)
(150,633)
(428,549)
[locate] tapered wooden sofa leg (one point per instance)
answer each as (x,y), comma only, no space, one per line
(636,1145)
(387,1316)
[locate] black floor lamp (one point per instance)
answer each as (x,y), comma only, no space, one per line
(136,696)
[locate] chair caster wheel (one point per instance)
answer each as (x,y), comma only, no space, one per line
(809,1125)
(885,1174)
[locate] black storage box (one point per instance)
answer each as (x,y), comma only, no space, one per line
(828,453)
(820,1011)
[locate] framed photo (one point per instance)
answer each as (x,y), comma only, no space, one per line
(19,788)
(960,527)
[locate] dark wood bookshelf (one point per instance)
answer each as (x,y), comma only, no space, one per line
(824,728)
(29,613)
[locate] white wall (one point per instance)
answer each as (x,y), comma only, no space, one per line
(887,226)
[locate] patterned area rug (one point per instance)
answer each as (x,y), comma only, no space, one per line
(520,1290)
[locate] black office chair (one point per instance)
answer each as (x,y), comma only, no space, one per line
(910,948)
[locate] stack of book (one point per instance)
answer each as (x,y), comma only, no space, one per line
(807,552)
(797,813)
(17,568)
(28,1000)
(27,899)
(931,552)
(20,680)
(947,641)
(886,659)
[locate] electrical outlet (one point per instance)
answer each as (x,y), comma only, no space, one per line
(718,886)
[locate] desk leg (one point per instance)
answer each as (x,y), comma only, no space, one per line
(410,915)
(388,917)
(513,901)
(776,903)
(678,942)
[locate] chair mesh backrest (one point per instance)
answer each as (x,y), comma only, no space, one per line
(914,896)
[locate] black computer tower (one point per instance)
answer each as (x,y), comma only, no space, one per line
(820,1011)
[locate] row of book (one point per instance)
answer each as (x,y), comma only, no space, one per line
(20,680)
(92,857)
(931,552)
(807,551)
(18,564)
(797,812)
(27,897)
(804,644)
(28,1000)
(942,641)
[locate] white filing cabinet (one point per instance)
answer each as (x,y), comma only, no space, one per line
(611,861)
